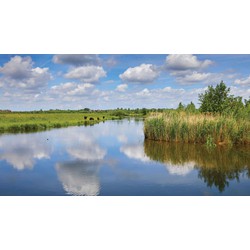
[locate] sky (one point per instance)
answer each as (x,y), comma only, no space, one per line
(77,81)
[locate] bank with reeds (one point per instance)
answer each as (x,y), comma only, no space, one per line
(196,128)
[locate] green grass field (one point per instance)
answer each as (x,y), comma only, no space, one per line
(27,121)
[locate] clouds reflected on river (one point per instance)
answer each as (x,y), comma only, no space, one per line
(112,158)
(23,150)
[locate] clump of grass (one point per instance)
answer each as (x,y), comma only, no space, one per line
(210,142)
(155,129)
(196,128)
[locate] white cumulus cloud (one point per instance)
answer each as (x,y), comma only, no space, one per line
(238,91)
(243,81)
(182,62)
(145,73)
(194,77)
(71,89)
(122,87)
(86,73)
(19,73)
(144,92)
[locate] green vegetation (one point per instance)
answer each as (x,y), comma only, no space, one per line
(14,122)
(221,119)
(25,122)
(197,128)
(190,108)
(181,107)
(217,100)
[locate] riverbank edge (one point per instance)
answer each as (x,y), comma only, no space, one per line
(28,126)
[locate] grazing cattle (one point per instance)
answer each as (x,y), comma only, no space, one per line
(98,118)
(85,117)
(91,119)
(103,117)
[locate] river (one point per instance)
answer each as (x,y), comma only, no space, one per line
(112,158)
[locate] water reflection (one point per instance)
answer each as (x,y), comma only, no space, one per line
(134,151)
(131,140)
(182,170)
(112,158)
(83,145)
(23,153)
(216,167)
(79,177)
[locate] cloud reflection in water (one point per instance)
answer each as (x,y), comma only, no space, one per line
(79,177)
(134,151)
(21,151)
(182,169)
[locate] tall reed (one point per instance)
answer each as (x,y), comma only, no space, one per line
(196,128)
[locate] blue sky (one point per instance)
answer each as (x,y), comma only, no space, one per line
(33,82)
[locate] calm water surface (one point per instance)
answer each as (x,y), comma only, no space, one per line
(112,158)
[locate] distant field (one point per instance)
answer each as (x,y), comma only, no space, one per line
(25,122)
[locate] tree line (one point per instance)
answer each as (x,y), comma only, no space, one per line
(218,100)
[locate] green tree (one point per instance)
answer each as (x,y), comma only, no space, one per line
(144,111)
(181,107)
(234,106)
(247,102)
(215,99)
(191,108)
(218,100)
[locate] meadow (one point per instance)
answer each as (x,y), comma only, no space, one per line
(29,121)
(15,122)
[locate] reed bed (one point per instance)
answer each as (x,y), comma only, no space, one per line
(196,128)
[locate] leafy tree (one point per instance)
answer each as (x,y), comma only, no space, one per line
(144,111)
(181,107)
(191,108)
(218,100)
(247,102)
(234,106)
(137,110)
(215,99)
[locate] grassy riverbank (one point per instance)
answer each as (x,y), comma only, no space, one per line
(15,122)
(197,128)
(27,121)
